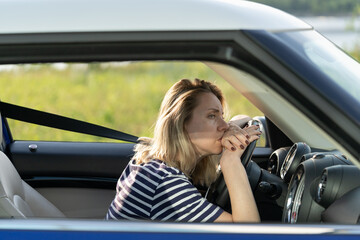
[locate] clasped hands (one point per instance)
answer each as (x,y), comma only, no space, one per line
(236,139)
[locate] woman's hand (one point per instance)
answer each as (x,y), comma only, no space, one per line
(236,139)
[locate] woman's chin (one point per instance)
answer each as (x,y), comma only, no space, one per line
(219,151)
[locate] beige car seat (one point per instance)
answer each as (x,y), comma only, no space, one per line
(17,198)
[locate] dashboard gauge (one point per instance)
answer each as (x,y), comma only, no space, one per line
(335,181)
(276,160)
(293,159)
(321,186)
(297,199)
(315,184)
(294,197)
(287,162)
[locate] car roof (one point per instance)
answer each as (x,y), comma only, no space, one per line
(40,16)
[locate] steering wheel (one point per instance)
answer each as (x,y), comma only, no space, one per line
(218,192)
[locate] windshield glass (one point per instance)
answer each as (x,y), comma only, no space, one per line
(337,65)
(319,63)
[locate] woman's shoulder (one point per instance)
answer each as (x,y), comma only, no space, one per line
(159,168)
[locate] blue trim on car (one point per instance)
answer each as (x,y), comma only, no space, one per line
(5,132)
(61,235)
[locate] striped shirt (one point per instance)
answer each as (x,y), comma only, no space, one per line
(158,192)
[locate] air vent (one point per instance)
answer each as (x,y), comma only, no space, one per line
(272,164)
(321,186)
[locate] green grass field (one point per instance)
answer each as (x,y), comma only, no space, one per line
(123,96)
(355,52)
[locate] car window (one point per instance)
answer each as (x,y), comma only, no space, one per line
(125,96)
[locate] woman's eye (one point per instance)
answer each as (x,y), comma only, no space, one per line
(212,116)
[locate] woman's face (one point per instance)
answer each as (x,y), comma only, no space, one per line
(206,125)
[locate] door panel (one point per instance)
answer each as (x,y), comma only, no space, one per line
(78,159)
(78,178)
(70,159)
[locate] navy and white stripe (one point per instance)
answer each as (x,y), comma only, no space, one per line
(158,192)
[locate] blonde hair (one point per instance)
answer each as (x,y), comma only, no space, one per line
(171,142)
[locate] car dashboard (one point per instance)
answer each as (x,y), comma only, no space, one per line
(322,186)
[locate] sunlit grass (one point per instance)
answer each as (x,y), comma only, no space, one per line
(355,52)
(123,96)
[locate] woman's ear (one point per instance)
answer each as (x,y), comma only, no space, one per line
(240,120)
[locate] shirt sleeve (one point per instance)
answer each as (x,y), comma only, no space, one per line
(176,199)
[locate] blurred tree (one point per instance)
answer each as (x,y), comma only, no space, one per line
(313,7)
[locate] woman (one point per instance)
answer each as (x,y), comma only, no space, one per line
(189,136)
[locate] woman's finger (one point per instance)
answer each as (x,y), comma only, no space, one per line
(234,140)
(240,138)
(228,145)
(253,130)
(254,133)
(243,136)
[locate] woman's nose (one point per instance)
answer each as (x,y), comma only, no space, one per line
(223,126)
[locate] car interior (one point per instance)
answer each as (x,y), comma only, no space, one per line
(297,176)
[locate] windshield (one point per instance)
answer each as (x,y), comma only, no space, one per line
(337,65)
(319,63)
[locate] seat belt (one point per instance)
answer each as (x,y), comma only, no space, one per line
(56,121)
